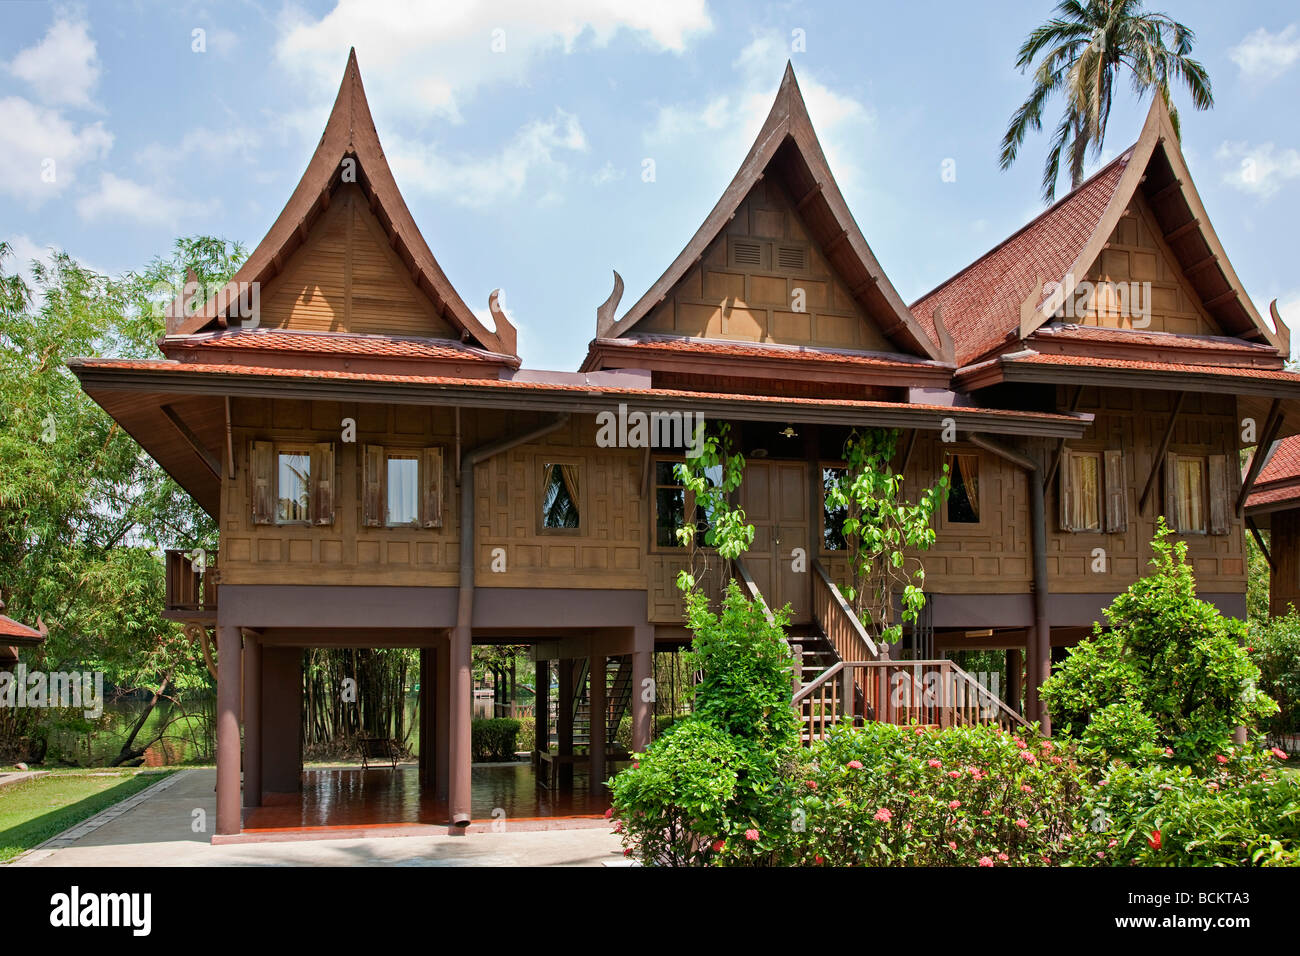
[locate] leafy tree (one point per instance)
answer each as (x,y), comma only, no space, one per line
(1166,654)
(1081,52)
(84,512)
(1275,648)
(879,528)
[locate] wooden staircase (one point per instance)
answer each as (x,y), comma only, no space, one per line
(843,676)
(618,695)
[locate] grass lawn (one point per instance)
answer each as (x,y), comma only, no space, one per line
(33,811)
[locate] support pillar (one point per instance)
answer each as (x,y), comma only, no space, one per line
(599,711)
(564,725)
(253,723)
(1040,638)
(1015,679)
(459,714)
(542,707)
(229,653)
(643,689)
(426,724)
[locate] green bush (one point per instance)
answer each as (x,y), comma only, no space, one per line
(1233,809)
(1275,649)
(715,787)
(494,738)
(884,795)
(1167,654)
(1121,731)
(527,734)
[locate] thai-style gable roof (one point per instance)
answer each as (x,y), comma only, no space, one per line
(1001,299)
(787,147)
(349,134)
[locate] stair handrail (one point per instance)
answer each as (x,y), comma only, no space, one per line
(983,694)
(858,636)
(755,595)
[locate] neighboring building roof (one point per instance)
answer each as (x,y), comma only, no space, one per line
(1283,464)
(1006,367)
(20,635)
(787,139)
(1093,336)
(349,132)
(1000,297)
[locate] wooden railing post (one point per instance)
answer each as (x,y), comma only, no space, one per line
(846,695)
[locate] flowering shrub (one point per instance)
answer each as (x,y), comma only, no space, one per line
(1167,654)
(1123,731)
(1233,809)
(883,795)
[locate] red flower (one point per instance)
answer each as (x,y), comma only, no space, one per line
(818,859)
(936,763)
(986,861)
(609,813)
(1279,753)
(855,764)
(1221,758)
(636,766)
(952,845)
(884,815)
(1003,857)
(1154,839)
(1022,823)
(751,835)
(812,784)
(954,804)
(719,845)
(954,774)
(627,852)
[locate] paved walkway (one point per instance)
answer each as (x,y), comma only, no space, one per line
(155,828)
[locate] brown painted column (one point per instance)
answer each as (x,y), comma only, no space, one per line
(564,724)
(542,707)
(426,725)
(229,653)
(442,719)
(460,701)
(1040,638)
(598,709)
(253,723)
(643,689)
(1015,679)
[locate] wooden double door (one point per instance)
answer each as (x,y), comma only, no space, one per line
(776,500)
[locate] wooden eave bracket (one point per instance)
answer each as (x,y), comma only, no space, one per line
(947,348)
(1158,459)
(1263,451)
(191,439)
(1282,330)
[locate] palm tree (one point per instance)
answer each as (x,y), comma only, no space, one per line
(1081,51)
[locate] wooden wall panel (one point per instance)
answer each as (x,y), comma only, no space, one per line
(346,277)
(1137,253)
(744,287)
(1284,547)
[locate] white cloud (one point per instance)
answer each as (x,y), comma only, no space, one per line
(478,181)
(1264,56)
(419,57)
(732,118)
(43,150)
(63,69)
(118,198)
(1259,170)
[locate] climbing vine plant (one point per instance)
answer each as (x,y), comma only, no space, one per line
(879,528)
(710,479)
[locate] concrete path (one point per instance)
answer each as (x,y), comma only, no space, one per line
(18,776)
(155,828)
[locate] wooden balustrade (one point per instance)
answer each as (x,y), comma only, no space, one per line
(191,587)
(751,588)
(837,620)
(932,693)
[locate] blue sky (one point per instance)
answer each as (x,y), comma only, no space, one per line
(523,165)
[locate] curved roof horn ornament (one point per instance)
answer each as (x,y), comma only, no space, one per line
(506,331)
(1283,330)
(605,311)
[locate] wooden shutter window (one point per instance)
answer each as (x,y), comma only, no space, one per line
(261,476)
(1218,475)
(372,486)
(1116,491)
(1067,491)
(431,471)
(322,483)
